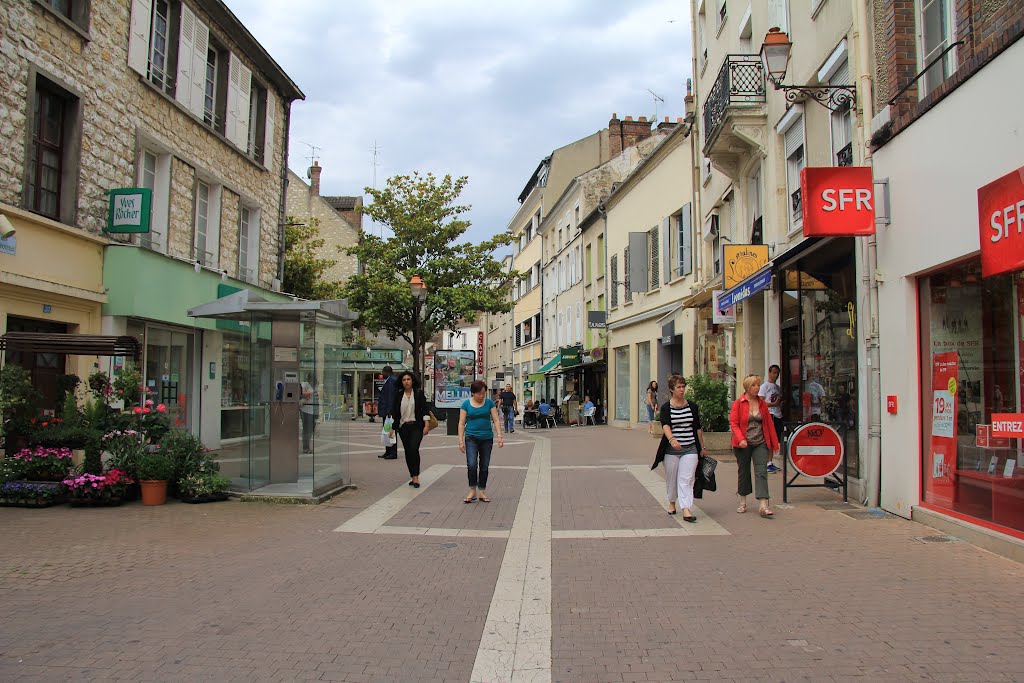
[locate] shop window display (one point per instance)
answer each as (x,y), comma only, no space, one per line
(971,344)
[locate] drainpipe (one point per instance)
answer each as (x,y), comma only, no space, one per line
(282,210)
(869,254)
(607,305)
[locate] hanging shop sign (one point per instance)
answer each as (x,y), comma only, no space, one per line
(745,289)
(719,315)
(940,482)
(129,210)
(1001,220)
(454,372)
(742,261)
(816,449)
(838,201)
(570,356)
(480,354)
(597,320)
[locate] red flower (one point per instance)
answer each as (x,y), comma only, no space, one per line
(135,410)
(161,408)
(145,411)
(45,423)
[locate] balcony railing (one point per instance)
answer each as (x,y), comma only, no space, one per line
(844,157)
(740,81)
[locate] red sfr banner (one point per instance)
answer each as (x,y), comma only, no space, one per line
(816,449)
(1008,425)
(838,200)
(940,483)
(1001,220)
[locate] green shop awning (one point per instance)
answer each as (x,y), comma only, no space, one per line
(550,364)
(535,377)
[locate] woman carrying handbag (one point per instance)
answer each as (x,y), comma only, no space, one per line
(409,413)
(682,444)
(753,438)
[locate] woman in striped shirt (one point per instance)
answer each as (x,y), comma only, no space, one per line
(680,422)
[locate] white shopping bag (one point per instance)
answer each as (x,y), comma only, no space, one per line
(385,436)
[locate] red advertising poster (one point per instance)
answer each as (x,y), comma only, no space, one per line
(939,479)
(1000,219)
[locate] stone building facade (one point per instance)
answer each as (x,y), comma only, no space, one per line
(175,96)
(339,228)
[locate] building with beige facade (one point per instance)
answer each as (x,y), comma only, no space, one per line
(497,328)
(753,140)
(336,229)
(178,99)
(648,228)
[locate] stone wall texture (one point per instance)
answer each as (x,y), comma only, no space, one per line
(335,230)
(121,111)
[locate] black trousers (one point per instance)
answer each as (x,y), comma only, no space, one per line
(411,434)
(308,427)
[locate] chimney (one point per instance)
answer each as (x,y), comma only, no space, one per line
(667,125)
(314,179)
(626,133)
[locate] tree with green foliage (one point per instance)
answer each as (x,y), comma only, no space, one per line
(462,279)
(304,270)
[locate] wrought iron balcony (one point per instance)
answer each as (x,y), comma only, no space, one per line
(739,82)
(844,157)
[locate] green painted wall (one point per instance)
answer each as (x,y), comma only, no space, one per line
(144,284)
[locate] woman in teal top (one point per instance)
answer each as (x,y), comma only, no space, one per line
(476,438)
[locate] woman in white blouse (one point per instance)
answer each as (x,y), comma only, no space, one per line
(410,415)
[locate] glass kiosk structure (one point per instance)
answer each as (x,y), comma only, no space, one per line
(277,389)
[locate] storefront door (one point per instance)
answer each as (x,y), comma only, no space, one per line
(169,372)
(44,368)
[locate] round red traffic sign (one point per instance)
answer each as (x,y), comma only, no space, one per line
(815,449)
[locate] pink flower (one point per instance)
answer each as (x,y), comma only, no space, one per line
(136,410)
(146,411)
(161,408)
(149,402)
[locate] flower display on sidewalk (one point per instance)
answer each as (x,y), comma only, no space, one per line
(43,463)
(107,487)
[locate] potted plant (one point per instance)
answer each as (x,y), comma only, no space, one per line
(98,489)
(18,400)
(31,494)
(155,470)
(203,487)
(712,399)
(42,463)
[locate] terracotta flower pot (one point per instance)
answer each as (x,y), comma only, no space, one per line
(153,492)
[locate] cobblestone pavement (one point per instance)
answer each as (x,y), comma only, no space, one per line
(573,573)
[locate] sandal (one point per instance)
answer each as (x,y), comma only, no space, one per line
(766,513)
(471,499)
(742,508)
(485,499)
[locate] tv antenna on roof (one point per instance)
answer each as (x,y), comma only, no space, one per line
(657,98)
(376,163)
(314,151)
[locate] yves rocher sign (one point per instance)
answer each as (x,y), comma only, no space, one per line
(1001,220)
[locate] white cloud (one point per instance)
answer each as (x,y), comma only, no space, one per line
(466,87)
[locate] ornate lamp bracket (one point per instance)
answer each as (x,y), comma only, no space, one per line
(832,97)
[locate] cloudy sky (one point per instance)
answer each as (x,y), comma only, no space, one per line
(466,87)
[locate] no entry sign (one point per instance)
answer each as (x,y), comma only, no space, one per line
(816,450)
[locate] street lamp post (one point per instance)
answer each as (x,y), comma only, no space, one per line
(775,52)
(419,297)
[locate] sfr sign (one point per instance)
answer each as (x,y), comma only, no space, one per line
(838,201)
(1001,220)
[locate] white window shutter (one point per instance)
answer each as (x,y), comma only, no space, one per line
(186,43)
(244,89)
(268,134)
(687,241)
(794,137)
(231,113)
(138,36)
(199,49)
(666,251)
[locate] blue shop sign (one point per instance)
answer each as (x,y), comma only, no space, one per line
(752,285)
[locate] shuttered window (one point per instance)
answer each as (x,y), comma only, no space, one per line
(614,266)
(653,240)
(795,161)
(628,295)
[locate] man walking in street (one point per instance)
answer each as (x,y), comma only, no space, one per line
(510,407)
(772,395)
(385,406)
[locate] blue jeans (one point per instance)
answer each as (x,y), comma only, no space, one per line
(510,419)
(478,457)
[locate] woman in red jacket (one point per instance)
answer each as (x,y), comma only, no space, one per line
(753,437)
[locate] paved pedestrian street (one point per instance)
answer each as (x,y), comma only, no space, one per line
(573,573)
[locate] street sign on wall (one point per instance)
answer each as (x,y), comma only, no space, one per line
(815,449)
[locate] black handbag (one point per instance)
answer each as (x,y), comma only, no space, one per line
(707,466)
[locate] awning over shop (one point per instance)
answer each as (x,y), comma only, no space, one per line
(757,282)
(242,304)
(361,366)
(549,365)
(71,344)
(702,297)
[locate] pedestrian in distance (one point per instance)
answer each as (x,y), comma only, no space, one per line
(651,403)
(753,438)
(510,408)
(682,444)
(385,402)
(478,424)
(772,395)
(409,412)
(309,409)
